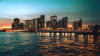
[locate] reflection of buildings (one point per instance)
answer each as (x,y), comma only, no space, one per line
(17,24)
(77,25)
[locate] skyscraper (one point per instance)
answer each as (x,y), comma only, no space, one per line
(28,24)
(16,20)
(41,21)
(77,25)
(34,24)
(48,24)
(42,17)
(53,22)
(16,25)
(59,25)
(64,22)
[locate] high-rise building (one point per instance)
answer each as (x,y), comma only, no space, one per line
(53,22)
(59,24)
(64,22)
(96,29)
(34,24)
(42,17)
(38,23)
(90,27)
(48,24)
(28,23)
(16,25)
(77,25)
(80,23)
(16,20)
(41,21)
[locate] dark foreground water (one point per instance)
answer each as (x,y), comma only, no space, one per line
(43,44)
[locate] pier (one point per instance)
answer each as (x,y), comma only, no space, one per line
(76,34)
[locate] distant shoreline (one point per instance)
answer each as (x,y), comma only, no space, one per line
(2,30)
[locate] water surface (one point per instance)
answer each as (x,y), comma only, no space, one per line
(44,44)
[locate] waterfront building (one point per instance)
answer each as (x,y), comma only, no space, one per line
(77,25)
(16,25)
(28,24)
(96,28)
(53,22)
(80,23)
(63,22)
(41,22)
(34,24)
(38,23)
(48,24)
(59,24)
(16,20)
(90,27)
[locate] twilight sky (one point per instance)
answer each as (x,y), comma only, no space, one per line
(89,10)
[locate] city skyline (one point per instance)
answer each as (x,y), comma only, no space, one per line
(49,28)
(89,10)
(69,24)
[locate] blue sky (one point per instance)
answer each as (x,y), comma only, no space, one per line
(89,10)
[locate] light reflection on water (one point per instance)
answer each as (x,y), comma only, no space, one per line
(67,46)
(44,44)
